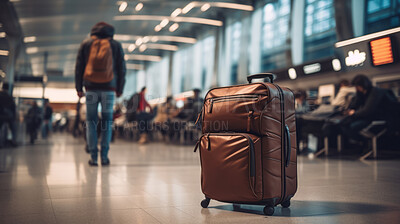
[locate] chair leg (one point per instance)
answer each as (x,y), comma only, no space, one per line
(339,143)
(325,149)
(374,147)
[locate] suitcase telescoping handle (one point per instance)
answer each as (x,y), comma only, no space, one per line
(270,76)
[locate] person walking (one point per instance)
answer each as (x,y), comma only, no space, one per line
(47,120)
(100,68)
(33,120)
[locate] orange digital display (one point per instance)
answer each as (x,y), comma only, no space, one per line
(382,52)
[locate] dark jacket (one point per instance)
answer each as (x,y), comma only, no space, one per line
(101,30)
(377,104)
(7,106)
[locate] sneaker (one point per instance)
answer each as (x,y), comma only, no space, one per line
(105,162)
(92,162)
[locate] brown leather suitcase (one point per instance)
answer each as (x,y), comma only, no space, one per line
(248,146)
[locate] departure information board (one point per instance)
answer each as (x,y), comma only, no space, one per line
(382,51)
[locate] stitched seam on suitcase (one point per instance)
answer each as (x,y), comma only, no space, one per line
(273,159)
(269,117)
(271,151)
(272,174)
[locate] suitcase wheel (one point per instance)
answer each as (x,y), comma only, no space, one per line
(204,203)
(286,204)
(269,210)
(236,206)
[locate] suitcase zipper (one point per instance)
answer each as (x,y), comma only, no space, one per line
(283,142)
(231,98)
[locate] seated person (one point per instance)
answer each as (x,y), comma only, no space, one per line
(188,113)
(165,112)
(344,94)
(370,103)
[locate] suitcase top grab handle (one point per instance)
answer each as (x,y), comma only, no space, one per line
(270,76)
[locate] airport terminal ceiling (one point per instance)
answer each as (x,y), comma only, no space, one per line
(52,30)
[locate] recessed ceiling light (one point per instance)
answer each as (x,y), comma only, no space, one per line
(3,34)
(154,39)
(146,39)
(142,47)
(4,53)
(176,12)
(292,73)
(142,57)
(205,7)
(29,39)
(32,50)
(173,27)
(188,7)
(157,28)
(123,6)
(131,47)
(164,22)
(139,42)
(139,7)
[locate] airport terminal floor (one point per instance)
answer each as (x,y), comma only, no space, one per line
(51,182)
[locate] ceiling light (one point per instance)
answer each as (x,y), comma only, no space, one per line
(292,73)
(29,39)
(188,7)
(167,47)
(157,28)
(366,37)
(336,65)
(232,6)
(123,6)
(134,66)
(176,12)
(154,39)
(164,22)
(3,34)
(139,42)
(173,27)
(142,57)
(142,47)
(4,53)
(187,40)
(131,47)
(205,7)
(32,50)
(146,39)
(139,7)
(210,22)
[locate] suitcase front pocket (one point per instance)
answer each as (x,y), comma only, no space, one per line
(231,167)
(237,113)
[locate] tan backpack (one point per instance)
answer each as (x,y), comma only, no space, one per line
(99,68)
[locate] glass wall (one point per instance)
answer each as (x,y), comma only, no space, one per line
(275,32)
(382,15)
(235,50)
(319,29)
(157,79)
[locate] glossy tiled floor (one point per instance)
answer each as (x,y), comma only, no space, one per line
(51,182)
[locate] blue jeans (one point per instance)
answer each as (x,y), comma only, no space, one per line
(106,99)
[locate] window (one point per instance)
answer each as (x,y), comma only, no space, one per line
(235,52)
(319,29)
(382,15)
(275,24)
(275,31)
